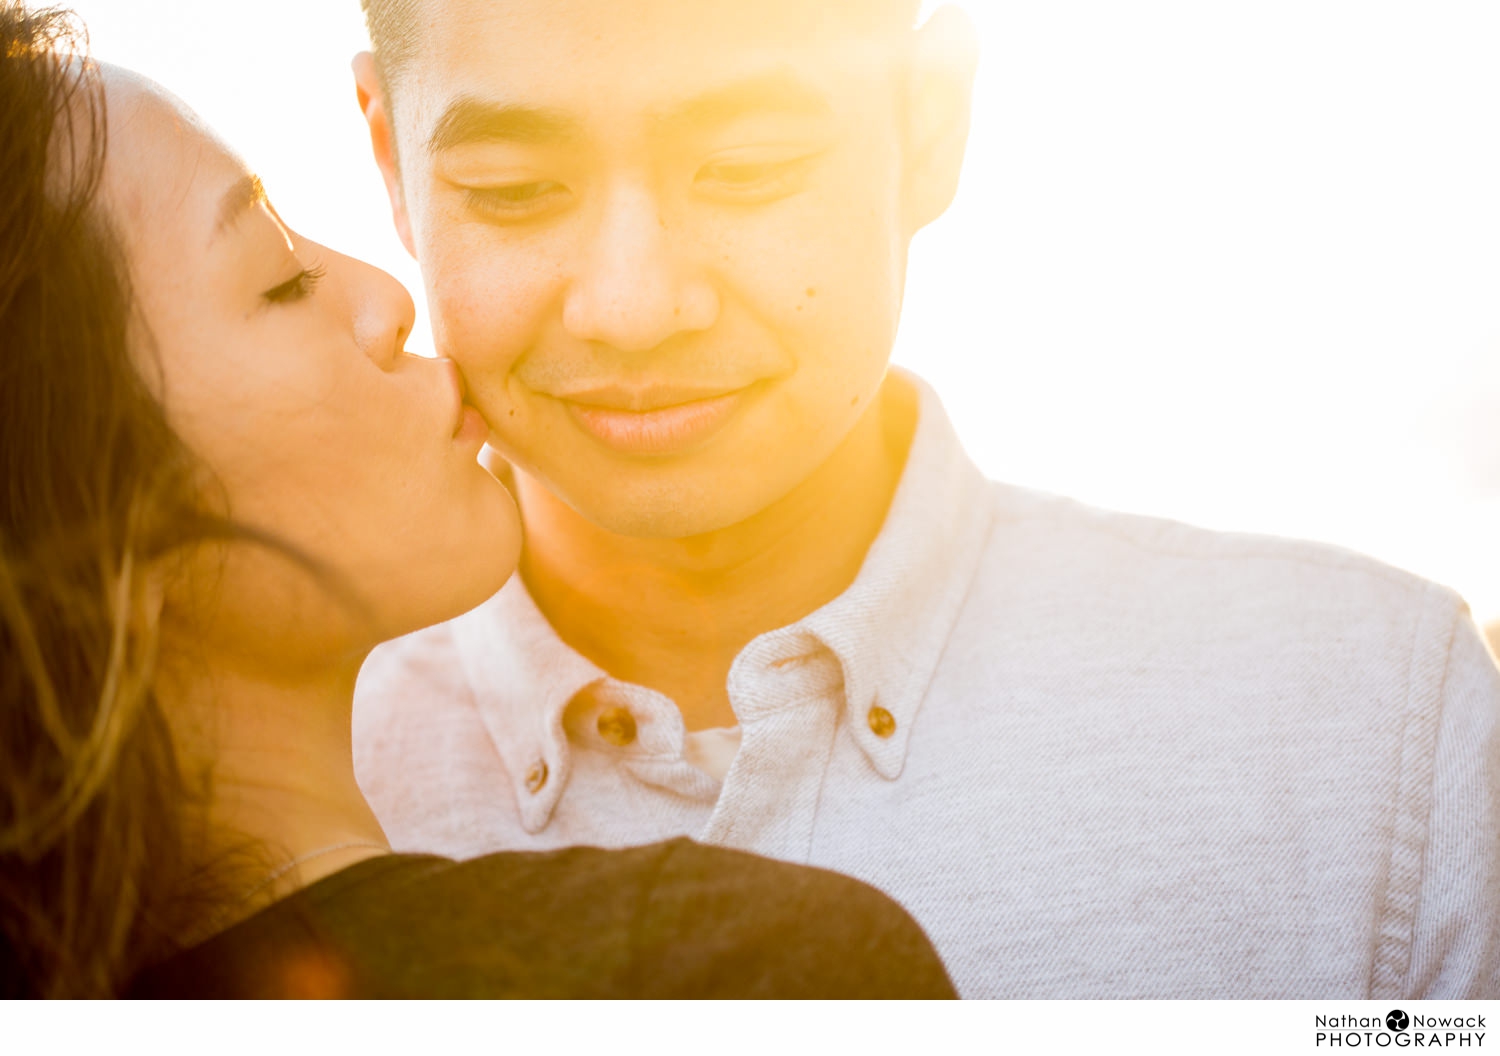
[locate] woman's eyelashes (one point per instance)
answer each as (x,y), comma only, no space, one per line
(298,287)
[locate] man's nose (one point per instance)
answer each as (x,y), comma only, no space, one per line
(638,283)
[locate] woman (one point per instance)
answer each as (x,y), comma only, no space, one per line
(225,482)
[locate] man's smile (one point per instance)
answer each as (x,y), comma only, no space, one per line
(657,421)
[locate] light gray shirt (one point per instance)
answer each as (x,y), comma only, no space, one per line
(1095,755)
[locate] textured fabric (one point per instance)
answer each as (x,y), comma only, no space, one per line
(673,920)
(712,751)
(1095,755)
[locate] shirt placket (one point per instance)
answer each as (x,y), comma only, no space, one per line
(787,690)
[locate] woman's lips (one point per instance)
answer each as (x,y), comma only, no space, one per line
(469,426)
(660,430)
(472,429)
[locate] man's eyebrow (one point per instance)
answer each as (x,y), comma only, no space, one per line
(770,93)
(243,195)
(470,120)
(478,121)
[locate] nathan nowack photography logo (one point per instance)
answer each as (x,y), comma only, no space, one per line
(1401,1031)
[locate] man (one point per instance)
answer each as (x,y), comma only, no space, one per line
(768,602)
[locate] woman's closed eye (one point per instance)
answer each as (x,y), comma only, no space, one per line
(296,288)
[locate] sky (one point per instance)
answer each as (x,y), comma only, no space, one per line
(1236,264)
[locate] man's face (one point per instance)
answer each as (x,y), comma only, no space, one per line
(665,241)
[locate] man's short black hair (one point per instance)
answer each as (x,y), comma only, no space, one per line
(393,25)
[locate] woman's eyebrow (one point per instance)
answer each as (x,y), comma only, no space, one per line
(243,195)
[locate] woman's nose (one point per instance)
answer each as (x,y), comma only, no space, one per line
(384,315)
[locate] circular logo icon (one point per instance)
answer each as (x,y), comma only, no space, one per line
(1397,1020)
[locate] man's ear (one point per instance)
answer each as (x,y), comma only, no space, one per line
(372,103)
(940,86)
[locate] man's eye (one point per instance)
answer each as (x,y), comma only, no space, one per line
(754,180)
(296,288)
(744,173)
(516,201)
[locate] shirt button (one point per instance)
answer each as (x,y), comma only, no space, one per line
(617,726)
(536,777)
(882,722)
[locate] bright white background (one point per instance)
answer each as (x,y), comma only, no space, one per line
(653,1028)
(1235,262)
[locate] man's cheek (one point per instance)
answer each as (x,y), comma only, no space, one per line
(482,332)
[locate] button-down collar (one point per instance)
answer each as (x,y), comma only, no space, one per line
(888,629)
(522,676)
(886,632)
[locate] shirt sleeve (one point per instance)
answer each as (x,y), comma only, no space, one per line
(1456,934)
(724,924)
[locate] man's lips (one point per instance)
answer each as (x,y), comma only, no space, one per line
(657,421)
(655,396)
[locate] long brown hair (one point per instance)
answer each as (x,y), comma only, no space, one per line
(95,491)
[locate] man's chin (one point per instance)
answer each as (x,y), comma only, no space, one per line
(669,509)
(664,521)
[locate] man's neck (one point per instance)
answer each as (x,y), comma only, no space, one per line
(672,614)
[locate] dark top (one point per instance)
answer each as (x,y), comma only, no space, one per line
(670,920)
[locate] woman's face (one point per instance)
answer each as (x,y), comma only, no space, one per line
(281,365)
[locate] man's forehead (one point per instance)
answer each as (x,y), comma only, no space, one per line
(664,18)
(586,56)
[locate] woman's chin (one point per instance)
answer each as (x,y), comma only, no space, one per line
(499,552)
(478,560)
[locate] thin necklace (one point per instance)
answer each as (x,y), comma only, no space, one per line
(280,871)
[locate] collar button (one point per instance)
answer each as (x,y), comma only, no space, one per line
(617,726)
(882,722)
(536,777)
